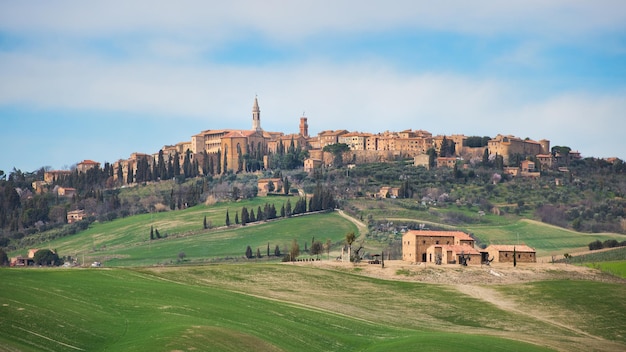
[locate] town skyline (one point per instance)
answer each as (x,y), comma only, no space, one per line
(100,81)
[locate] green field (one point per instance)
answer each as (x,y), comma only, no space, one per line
(126,241)
(489,229)
(282,307)
(617,268)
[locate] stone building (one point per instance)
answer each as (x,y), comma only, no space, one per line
(507,146)
(52,176)
(415,244)
(451,254)
(504,253)
(311,164)
(75,215)
(87,165)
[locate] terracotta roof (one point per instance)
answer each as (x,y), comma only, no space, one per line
(510,247)
(89,162)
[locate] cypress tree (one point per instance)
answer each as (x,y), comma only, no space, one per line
(227,218)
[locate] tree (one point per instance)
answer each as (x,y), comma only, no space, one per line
(270,187)
(4,259)
(317,248)
(294,251)
(327,246)
(205,224)
(258,252)
(181,256)
(248,252)
(486,157)
(252,218)
(227,218)
(46,257)
(152,232)
(176,164)
(219,162)
(268,249)
(245,217)
(288,208)
(277,251)
(237,218)
(514,257)
(286,185)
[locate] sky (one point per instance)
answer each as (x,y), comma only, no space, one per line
(100,80)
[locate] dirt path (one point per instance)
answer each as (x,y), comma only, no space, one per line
(359,224)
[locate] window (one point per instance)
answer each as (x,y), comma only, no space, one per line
(437,242)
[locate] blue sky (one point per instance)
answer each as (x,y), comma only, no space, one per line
(102,79)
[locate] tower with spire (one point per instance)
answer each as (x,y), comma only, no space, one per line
(256,116)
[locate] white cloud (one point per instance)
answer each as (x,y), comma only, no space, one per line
(293,20)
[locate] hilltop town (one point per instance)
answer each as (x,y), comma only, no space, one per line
(212,152)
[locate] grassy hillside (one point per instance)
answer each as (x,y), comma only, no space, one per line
(282,307)
(133,311)
(489,228)
(126,241)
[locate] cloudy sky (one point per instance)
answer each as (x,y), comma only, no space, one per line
(102,79)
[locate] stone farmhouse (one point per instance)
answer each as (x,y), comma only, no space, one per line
(451,247)
(504,253)
(75,215)
(416,244)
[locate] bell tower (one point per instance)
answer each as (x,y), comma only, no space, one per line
(256,116)
(304,127)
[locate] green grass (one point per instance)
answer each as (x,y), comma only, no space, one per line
(617,268)
(596,307)
(125,241)
(209,245)
(546,239)
(122,309)
(614,254)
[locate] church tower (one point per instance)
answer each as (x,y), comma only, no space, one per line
(304,127)
(256,116)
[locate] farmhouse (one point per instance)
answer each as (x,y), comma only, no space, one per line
(416,244)
(24,261)
(75,215)
(504,253)
(452,254)
(264,187)
(389,192)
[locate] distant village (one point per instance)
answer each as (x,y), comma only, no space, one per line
(225,149)
(229,150)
